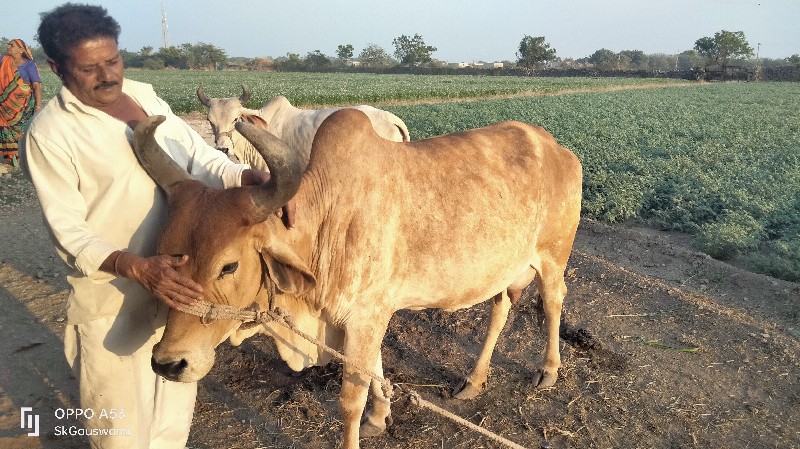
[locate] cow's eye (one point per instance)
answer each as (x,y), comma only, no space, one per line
(229,268)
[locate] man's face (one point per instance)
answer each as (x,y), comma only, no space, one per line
(94,72)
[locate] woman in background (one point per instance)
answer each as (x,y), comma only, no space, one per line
(20,97)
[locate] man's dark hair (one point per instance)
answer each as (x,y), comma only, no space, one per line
(70,24)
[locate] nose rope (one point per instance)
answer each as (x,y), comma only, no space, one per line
(211,312)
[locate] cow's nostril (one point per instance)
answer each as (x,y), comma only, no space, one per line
(170,370)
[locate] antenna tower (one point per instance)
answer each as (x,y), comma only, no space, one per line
(164,30)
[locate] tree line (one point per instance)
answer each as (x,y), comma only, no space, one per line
(410,51)
(533,53)
(719,50)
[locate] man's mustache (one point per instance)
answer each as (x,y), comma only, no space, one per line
(106,84)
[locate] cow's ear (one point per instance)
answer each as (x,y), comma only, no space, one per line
(255,120)
(287,270)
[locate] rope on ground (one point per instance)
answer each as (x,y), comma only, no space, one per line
(416,399)
(209,312)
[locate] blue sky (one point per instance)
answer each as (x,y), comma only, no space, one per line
(464,30)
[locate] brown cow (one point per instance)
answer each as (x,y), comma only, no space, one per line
(446,222)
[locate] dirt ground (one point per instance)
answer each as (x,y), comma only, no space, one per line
(662,347)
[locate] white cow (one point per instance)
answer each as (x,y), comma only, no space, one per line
(295,126)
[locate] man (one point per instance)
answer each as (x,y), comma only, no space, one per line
(104,214)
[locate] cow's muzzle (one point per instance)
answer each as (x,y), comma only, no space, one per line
(170,370)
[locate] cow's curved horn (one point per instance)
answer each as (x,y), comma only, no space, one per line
(285,169)
(201,95)
(245,96)
(164,171)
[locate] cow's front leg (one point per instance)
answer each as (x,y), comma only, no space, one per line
(362,348)
(380,415)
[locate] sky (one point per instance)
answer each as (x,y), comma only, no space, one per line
(462,31)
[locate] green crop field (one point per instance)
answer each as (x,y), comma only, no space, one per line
(718,161)
(178,87)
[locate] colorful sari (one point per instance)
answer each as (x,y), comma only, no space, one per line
(16,107)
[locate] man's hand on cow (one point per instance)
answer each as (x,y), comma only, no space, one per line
(159,275)
(253,177)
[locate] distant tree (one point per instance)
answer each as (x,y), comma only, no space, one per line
(634,59)
(292,62)
(794,59)
(604,59)
(769,63)
(212,56)
(39,56)
(660,61)
(374,56)
(344,52)
(173,57)
(131,59)
(316,60)
(412,51)
(724,46)
(153,64)
(192,56)
(688,60)
(705,47)
(203,56)
(534,52)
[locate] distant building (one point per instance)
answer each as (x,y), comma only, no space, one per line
(478,65)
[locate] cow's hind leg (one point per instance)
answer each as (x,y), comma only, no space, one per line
(552,289)
(475,382)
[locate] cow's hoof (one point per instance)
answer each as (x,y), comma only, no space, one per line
(544,378)
(468,390)
(369,430)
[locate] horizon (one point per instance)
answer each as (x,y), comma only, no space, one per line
(463,32)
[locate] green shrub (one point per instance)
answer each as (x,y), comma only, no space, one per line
(734,233)
(780,259)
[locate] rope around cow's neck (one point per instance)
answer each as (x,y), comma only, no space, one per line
(210,312)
